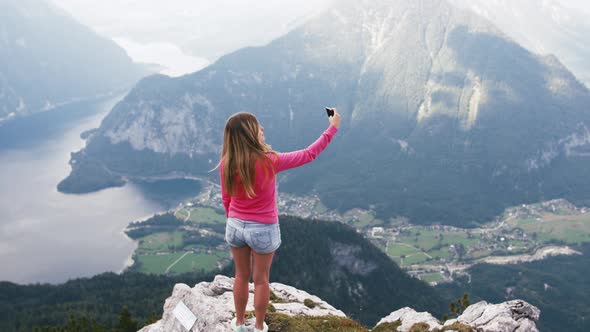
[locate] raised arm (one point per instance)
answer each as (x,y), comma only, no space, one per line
(301,157)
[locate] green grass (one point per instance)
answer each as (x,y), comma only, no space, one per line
(160,242)
(562,212)
(363,221)
(398,249)
(421,237)
(561,226)
(156,264)
(459,237)
(181,214)
(523,222)
(206,215)
(427,239)
(569,227)
(481,253)
(434,277)
(444,252)
(320,207)
(195,262)
(376,222)
(301,323)
(416,258)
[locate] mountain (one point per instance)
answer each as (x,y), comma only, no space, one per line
(446,119)
(47,58)
(544,27)
(328,259)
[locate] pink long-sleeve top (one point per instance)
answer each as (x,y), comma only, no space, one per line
(263,207)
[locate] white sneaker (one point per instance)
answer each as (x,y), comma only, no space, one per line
(264,328)
(241,328)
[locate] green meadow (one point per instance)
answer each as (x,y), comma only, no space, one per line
(571,229)
(519,234)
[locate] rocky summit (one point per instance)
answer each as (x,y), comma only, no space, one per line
(291,309)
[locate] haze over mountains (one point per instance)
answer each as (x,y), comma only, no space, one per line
(189,35)
(446,119)
(545,27)
(47,58)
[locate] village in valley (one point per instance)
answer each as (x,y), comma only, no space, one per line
(434,253)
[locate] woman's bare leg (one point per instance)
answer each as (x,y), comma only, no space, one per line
(261,288)
(242,263)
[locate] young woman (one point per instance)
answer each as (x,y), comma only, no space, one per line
(248,171)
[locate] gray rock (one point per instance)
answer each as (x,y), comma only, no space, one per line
(450,322)
(212,303)
(409,317)
(509,316)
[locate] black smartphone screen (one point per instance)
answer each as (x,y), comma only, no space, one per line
(329,111)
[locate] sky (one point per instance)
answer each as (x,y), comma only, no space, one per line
(184,36)
(579,4)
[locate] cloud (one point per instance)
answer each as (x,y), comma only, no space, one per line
(180,34)
(168,55)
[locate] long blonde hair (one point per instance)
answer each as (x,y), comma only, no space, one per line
(241,150)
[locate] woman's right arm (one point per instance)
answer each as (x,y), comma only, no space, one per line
(293,159)
(225,198)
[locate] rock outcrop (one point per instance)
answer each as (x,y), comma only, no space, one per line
(292,309)
(408,317)
(511,316)
(212,303)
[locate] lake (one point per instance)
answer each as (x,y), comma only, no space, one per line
(47,236)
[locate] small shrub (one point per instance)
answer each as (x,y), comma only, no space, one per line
(309,303)
(460,305)
(249,314)
(420,327)
(459,328)
(387,327)
(274,298)
(278,322)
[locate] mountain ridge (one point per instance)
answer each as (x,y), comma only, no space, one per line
(39,72)
(435,96)
(547,27)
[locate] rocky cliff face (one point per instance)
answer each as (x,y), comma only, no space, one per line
(292,309)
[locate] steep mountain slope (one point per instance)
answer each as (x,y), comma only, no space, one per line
(47,58)
(547,26)
(445,118)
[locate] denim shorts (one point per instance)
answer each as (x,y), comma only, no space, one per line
(262,238)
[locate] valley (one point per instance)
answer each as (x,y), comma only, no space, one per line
(192,236)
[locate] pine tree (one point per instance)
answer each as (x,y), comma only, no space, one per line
(126,322)
(457,307)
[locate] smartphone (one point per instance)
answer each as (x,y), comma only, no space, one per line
(329,111)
